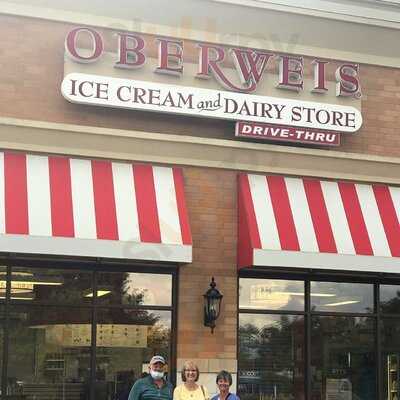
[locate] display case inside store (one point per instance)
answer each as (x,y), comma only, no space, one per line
(393,376)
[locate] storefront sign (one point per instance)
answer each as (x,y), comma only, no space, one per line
(287,134)
(151,96)
(249,64)
(246,94)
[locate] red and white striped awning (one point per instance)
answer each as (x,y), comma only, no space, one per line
(77,207)
(308,223)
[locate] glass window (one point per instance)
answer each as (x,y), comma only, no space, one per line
(49,352)
(342,297)
(343,358)
(390,299)
(271,294)
(391,358)
(132,288)
(3,282)
(126,341)
(49,341)
(53,286)
(2,326)
(271,357)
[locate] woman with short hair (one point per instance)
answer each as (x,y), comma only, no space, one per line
(224,381)
(190,389)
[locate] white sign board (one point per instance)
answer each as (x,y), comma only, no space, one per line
(151,96)
(338,389)
(108,335)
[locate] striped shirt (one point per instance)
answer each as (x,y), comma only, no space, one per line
(146,389)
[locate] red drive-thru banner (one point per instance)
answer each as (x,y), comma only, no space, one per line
(286,133)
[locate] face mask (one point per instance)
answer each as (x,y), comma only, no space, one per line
(156,374)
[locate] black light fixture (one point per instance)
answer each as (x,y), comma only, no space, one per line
(212,305)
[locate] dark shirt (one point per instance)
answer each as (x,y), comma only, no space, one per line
(230,396)
(146,389)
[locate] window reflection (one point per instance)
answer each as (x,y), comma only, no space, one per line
(49,285)
(272,294)
(271,357)
(130,288)
(342,297)
(49,352)
(391,358)
(2,327)
(50,341)
(390,299)
(343,358)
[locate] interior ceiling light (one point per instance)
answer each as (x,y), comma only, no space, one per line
(28,278)
(292,294)
(99,293)
(342,303)
(312,294)
(17,286)
(19,296)
(41,282)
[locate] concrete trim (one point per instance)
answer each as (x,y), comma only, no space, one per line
(298,259)
(96,248)
(117,144)
(363,13)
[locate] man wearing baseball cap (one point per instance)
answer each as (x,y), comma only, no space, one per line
(154,386)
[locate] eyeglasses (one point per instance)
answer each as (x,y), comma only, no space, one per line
(190,370)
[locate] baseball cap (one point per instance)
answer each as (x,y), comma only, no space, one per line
(156,359)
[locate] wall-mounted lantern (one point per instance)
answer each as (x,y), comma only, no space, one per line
(212,305)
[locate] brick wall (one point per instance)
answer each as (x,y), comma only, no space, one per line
(31,62)
(211,198)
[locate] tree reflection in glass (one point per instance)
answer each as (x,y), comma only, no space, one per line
(130,288)
(271,357)
(390,299)
(343,358)
(390,357)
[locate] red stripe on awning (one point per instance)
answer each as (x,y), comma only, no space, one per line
(319,216)
(62,217)
(146,204)
(181,203)
(389,218)
(15,190)
(104,202)
(355,219)
(283,213)
(248,209)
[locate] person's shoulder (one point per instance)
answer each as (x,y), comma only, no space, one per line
(233,396)
(204,389)
(179,388)
(215,397)
(142,381)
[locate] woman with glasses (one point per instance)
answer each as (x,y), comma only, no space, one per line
(224,381)
(190,389)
